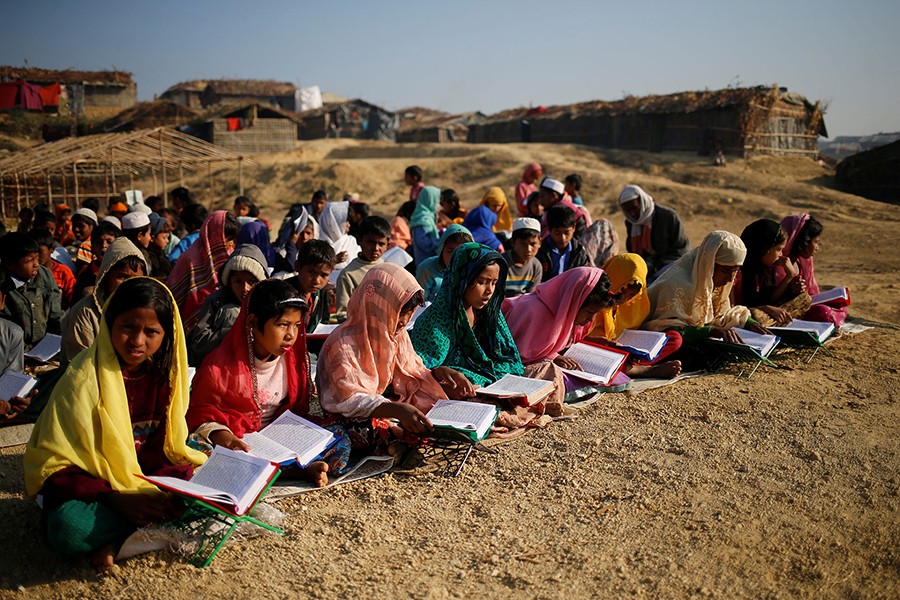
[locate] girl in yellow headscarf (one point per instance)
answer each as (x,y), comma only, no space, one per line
(630,270)
(117,412)
(495,200)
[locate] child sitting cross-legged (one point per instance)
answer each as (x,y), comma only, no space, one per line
(374,233)
(525,271)
(560,251)
(260,370)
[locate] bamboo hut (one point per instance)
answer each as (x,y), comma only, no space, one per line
(230,91)
(88,93)
(355,119)
(739,121)
(247,128)
(186,93)
(424,125)
(148,115)
(104,165)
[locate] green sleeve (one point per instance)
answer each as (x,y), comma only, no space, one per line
(693,335)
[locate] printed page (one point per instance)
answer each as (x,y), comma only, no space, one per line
(15,384)
(397,255)
(595,360)
(304,438)
(263,447)
(418,313)
(237,474)
(515,385)
(758,341)
(190,488)
(324,329)
(834,294)
(649,342)
(461,414)
(46,349)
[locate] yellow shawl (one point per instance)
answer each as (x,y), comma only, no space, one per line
(622,270)
(87,424)
(495,199)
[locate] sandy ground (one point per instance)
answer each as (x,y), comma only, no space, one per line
(784,485)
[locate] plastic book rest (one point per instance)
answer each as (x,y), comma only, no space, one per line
(735,354)
(804,343)
(212,525)
(451,449)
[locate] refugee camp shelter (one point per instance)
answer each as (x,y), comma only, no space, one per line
(106,164)
(87,93)
(355,119)
(147,115)
(872,173)
(248,127)
(426,125)
(186,93)
(232,91)
(739,121)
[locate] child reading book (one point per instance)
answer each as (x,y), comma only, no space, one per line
(333,227)
(430,272)
(525,271)
(804,241)
(121,261)
(495,200)
(244,268)
(628,276)
(118,412)
(374,233)
(369,370)
(260,370)
(464,339)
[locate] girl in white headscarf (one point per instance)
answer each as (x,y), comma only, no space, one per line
(334,225)
(692,296)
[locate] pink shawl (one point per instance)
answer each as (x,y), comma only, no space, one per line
(543,322)
(196,272)
(792,225)
(365,356)
(525,187)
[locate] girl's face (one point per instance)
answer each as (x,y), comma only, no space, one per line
(136,335)
(768,259)
(160,240)
(241,210)
(586,314)
(404,320)
(304,236)
(810,249)
(118,274)
(724,274)
(447,252)
(277,334)
(479,292)
(446,207)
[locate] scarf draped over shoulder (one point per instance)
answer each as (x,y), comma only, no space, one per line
(622,270)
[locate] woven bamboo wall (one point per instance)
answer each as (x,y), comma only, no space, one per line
(264,135)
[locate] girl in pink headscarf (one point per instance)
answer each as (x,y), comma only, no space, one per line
(526,187)
(804,234)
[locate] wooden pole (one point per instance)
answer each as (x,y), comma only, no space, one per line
(75,179)
(155,188)
(65,187)
(49,189)
(112,171)
(162,160)
(241,176)
(212,193)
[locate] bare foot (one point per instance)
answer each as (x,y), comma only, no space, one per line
(666,370)
(317,472)
(103,558)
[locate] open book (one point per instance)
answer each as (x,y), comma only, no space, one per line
(837,297)
(290,438)
(646,344)
(821,331)
(599,364)
(46,349)
(230,480)
(14,384)
(397,255)
(471,418)
(514,387)
(418,313)
(760,343)
(322,331)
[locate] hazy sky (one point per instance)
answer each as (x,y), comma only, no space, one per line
(466,55)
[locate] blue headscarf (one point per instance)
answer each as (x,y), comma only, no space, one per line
(256,233)
(480,222)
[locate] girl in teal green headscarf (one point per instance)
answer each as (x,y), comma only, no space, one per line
(463,337)
(423,224)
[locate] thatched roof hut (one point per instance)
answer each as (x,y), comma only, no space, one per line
(355,119)
(426,125)
(247,127)
(740,121)
(89,93)
(147,115)
(222,91)
(186,93)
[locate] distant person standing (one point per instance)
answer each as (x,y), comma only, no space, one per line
(413,177)
(317,204)
(654,232)
(526,187)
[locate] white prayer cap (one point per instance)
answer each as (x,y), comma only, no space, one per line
(552,184)
(87,214)
(113,220)
(135,220)
(526,223)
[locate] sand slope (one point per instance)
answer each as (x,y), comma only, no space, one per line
(785,485)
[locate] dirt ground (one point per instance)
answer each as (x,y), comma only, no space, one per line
(785,485)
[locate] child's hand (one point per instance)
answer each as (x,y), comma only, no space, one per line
(17,405)
(725,333)
(411,418)
(756,327)
(567,363)
(781,316)
(223,437)
(455,384)
(342,256)
(791,269)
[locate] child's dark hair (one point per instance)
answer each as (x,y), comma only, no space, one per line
(360,209)
(320,195)
(407,209)
(375,226)
(559,217)
(810,231)
(104,228)
(183,195)
(91,203)
(271,298)
(450,196)
(574,180)
(193,216)
(154,203)
(460,237)
(43,237)
(601,296)
(525,234)
(315,252)
(42,218)
(759,237)
(15,245)
(143,292)
(232,227)
(417,300)
(26,212)
(249,203)
(414,171)
(131,261)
